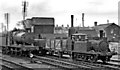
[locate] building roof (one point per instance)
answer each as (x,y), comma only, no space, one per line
(85,28)
(90,32)
(102,26)
(42,21)
(61,28)
(38,21)
(58,28)
(28,23)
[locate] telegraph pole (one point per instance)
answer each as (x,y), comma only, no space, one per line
(24,4)
(83,19)
(7,22)
(24,11)
(2,26)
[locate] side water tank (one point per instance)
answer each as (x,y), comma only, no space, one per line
(100,45)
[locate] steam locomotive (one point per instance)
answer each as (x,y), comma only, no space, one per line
(78,46)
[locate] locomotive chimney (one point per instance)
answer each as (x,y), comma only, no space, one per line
(71,29)
(72,18)
(95,23)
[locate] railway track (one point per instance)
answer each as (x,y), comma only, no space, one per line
(69,64)
(66,64)
(39,65)
(80,64)
(12,66)
(115,61)
(106,66)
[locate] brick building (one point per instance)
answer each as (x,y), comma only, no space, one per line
(109,30)
(44,25)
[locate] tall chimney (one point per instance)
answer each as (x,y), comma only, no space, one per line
(72,18)
(107,21)
(95,23)
(119,13)
(83,19)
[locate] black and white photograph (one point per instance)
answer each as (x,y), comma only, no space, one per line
(59,34)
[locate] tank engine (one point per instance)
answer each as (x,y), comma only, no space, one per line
(90,50)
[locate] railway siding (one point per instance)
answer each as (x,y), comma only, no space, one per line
(13,65)
(81,64)
(26,64)
(67,64)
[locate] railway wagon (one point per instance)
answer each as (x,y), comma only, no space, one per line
(55,44)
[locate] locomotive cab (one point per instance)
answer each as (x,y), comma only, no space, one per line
(80,46)
(79,37)
(79,42)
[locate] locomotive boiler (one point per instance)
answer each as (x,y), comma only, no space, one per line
(23,38)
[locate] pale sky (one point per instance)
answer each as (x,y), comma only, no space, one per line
(61,10)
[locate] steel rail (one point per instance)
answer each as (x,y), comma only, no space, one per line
(13,65)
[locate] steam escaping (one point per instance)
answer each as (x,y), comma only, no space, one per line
(19,25)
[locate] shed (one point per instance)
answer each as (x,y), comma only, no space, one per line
(40,25)
(109,30)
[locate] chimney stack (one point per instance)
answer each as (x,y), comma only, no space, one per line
(107,21)
(95,23)
(83,19)
(72,18)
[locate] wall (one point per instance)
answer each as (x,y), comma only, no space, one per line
(44,29)
(113,32)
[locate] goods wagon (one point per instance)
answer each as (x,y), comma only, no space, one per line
(55,43)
